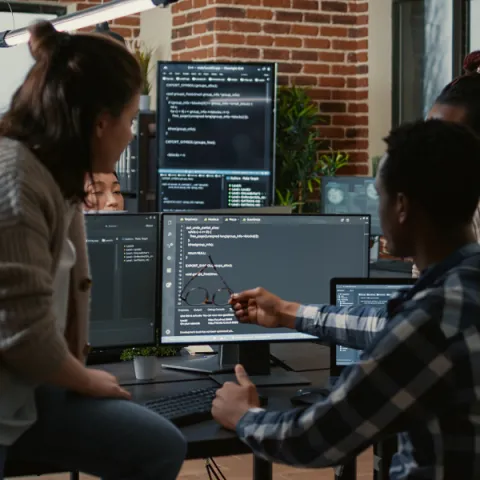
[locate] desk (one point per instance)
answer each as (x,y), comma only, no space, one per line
(208,439)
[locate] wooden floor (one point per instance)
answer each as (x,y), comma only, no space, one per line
(240,468)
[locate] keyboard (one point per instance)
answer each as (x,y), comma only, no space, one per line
(186,408)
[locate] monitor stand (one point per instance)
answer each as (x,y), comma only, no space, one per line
(255,357)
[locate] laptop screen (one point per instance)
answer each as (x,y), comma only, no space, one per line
(371,292)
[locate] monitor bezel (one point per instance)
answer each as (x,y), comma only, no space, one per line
(164,215)
(273,131)
(325,179)
(336,370)
(157,310)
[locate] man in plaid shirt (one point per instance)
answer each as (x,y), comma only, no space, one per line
(419,375)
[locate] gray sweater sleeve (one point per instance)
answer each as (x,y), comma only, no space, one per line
(30,342)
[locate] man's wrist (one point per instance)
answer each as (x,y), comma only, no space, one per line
(287,314)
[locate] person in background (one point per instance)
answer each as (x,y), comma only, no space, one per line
(417,377)
(103,193)
(63,124)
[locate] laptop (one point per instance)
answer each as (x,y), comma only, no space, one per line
(373,292)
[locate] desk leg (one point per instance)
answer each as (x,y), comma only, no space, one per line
(347,471)
(262,470)
(382,458)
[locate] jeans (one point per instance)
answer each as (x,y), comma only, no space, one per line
(108,438)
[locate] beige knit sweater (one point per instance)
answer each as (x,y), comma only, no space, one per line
(32,232)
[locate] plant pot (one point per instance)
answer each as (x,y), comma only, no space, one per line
(144,103)
(145,367)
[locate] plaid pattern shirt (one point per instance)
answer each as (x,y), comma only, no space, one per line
(419,376)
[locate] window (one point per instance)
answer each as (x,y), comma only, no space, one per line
(473,27)
(427,51)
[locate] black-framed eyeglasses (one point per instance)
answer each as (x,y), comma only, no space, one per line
(201,296)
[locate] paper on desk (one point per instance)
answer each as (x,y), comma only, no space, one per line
(194,349)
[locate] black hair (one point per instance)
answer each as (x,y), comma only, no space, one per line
(436,165)
(464,91)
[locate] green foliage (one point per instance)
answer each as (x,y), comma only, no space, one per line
(375,163)
(298,170)
(144,57)
(155,351)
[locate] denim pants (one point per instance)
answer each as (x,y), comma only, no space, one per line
(108,438)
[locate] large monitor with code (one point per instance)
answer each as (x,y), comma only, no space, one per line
(372,292)
(350,194)
(216,135)
(123,260)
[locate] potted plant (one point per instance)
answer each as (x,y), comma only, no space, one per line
(144,359)
(144,57)
(299,166)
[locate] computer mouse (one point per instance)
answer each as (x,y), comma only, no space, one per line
(306,396)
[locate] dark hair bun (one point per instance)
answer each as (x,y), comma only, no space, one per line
(44,40)
(471,63)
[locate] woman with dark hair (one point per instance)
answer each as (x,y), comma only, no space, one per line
(103,193)
(71,118)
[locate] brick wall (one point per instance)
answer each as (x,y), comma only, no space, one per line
(319,44)
(127,27)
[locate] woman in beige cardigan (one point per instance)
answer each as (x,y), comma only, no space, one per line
(71,117)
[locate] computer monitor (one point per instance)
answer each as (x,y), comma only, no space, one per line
(124,267)
(293,256)
(374,292)
(216,135)
(347,195)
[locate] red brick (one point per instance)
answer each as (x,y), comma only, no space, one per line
(333,82)
(320,94)
(219,26)
(362,20)
(230,12)
(332,132)
(331,57)
(304,80)
(125,32)
(276,28)
(260,40)
(357,7)
(222,51)
(356,133)
(192,42)
(83,6)
(178,20)
(305,55)
(334,6)
(355,169)
(358,32)
(290,67)
(291,42)
(344,69)
(350,144)
(230,38)
(344,19)
(333,107)
(357,57)
(358,108)
(306,30)
(333,32)
(317,68)
(317,18)
(259,13)
(243,52)
(362,44)
(271,54)
(200,28)
(319,43)
(183,6)
(178,45)
(283,16)
(283,80)
(344,45)
(207,39)
(129,21)
(350,120)
(277,3)
(182,32)
(305,4)
(357,82)
(199,3)
(246,27)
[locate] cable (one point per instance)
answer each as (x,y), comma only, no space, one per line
(218,469)
(11,11)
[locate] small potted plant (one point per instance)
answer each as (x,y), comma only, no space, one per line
(144,57)
(145,359)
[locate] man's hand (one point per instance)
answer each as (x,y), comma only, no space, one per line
(260,307)
(233,401)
